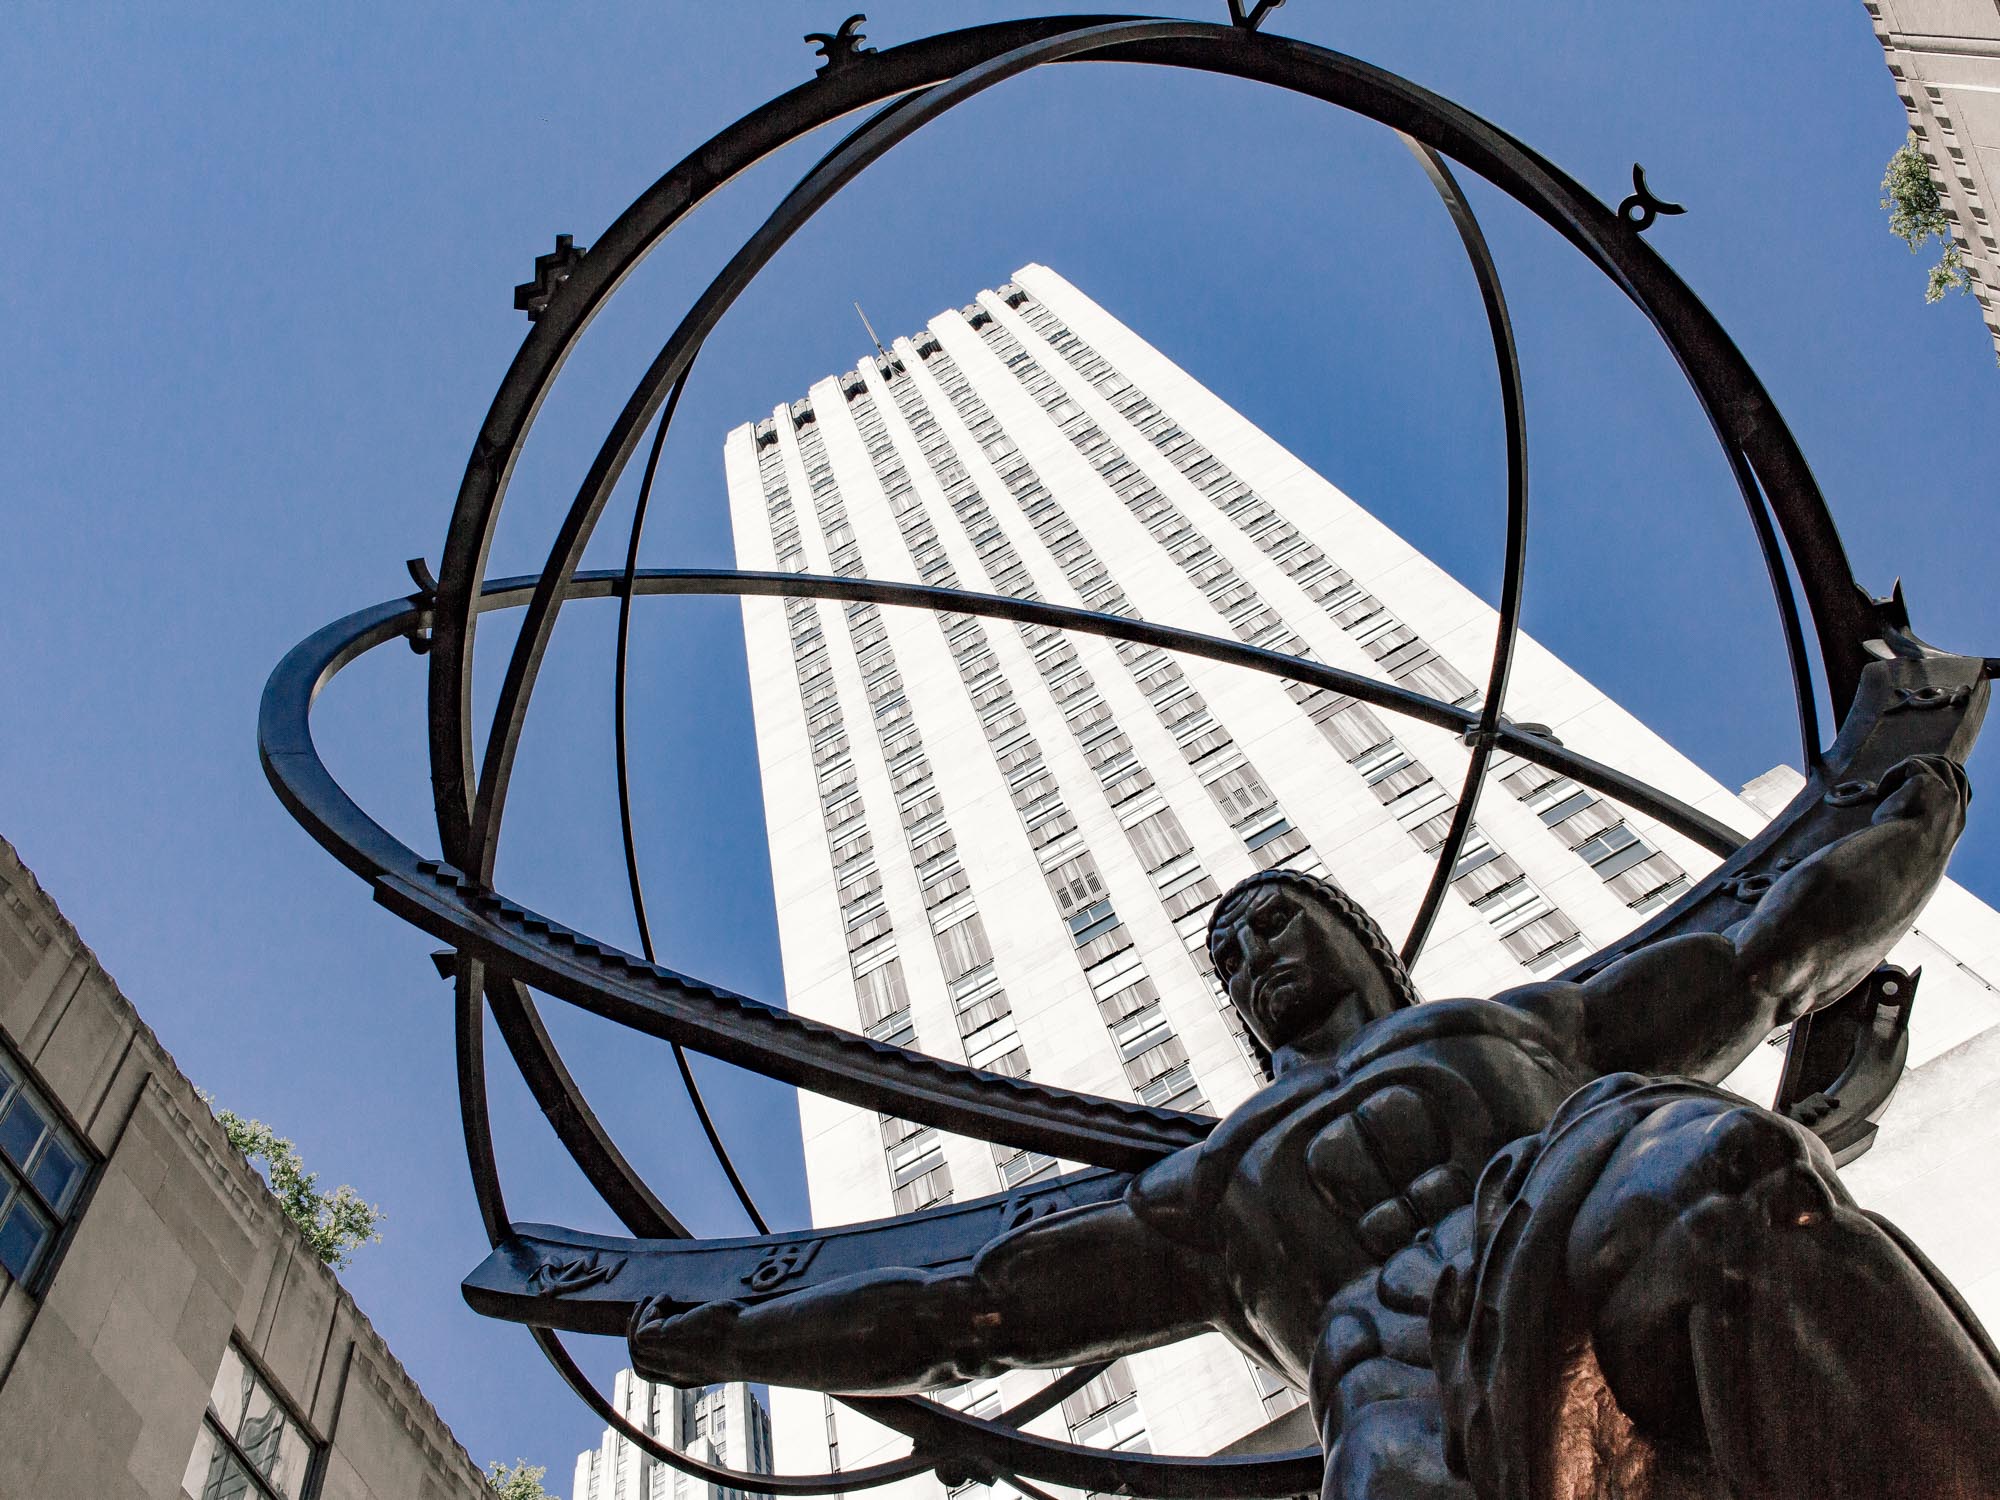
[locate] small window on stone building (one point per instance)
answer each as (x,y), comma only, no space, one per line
(42,1172)
(250,1446)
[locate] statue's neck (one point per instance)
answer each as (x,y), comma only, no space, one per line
(1323,1043)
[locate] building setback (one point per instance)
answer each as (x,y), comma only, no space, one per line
(724,1425)
(164,1330)
(1945,58)
(1000,844)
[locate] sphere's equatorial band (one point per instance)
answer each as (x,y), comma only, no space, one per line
(553,1277)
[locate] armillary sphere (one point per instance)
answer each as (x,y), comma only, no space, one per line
(1894,696)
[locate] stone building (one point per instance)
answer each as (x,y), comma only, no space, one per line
(164,1330)
(1945,58)
(724,1425)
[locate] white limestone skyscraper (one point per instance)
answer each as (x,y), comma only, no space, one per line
(724,1425)
(1000,844)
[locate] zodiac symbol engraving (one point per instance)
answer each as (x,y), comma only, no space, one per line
(565,1278)
(840,46)
(1752,884)
(1025,1209)
(1927,697)
(780,1264)
(1640,207)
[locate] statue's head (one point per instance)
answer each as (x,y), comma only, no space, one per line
(1303,964)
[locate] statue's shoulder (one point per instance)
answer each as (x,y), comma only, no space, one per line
(1167,1196)
(1182,1195)
(1496,1070)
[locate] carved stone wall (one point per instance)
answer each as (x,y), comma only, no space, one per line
(175,1248)
(1945,58)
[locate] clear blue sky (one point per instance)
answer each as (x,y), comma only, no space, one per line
(260,292)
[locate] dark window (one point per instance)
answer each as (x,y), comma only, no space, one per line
(42,1172)
(1092,922)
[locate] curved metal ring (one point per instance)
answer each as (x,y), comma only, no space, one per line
(1721,378)
(818,188)
(622,760)
(801,205)
(623,775)
(304,784)
(1704,352)
(1507,627)
(1076,1127)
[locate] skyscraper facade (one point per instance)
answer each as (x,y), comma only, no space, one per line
(725,1425)
(1001,844)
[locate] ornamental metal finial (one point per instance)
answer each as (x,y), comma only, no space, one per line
(1251,19)
(1640,207)
(839,47)
(551,271)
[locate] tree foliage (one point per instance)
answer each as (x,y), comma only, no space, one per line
(522,1482)
(335,1224)
(1916,213)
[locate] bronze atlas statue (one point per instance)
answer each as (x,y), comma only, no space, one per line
(1517,1248)
(1518,1239)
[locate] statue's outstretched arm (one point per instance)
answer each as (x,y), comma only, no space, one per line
(1089,1284)
(1697,1004)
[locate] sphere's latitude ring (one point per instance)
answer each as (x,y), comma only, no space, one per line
(477,851)
(308,788)
(459,911)
(304,783)
(549,592)
(1735,402)
(599,1158)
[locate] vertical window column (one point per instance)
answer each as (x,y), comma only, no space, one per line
(1536,937)
(1638,875)
(913,1154)
(1096,932)
(1179,707)
(1184,886)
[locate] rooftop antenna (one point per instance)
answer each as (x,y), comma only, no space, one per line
(871,331)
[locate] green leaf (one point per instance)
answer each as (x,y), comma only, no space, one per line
(1916,213)
(522,1482)
(334,1224)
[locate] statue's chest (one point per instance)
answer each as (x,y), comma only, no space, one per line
(1353,1172)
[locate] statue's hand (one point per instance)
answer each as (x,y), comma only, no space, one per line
(1928,788)
(682,1345)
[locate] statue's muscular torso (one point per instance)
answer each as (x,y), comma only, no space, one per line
(1308,1190)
